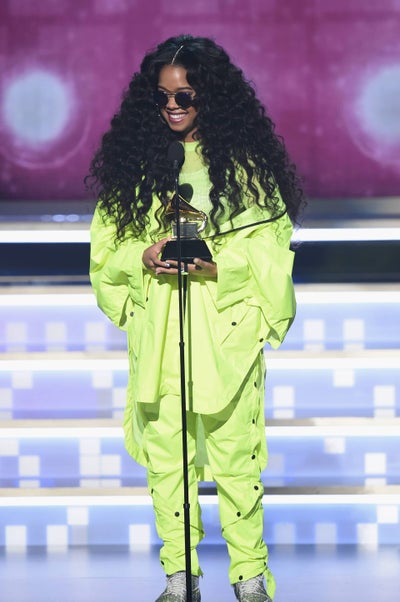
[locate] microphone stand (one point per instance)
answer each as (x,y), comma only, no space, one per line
(182,281)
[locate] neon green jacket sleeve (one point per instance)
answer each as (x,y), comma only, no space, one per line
(116,271)
(255,266)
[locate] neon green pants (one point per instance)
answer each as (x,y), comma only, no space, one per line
(236,450)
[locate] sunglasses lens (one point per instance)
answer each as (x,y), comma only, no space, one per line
(183,99)
(161,99)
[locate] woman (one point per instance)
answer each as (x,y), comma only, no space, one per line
(188,90)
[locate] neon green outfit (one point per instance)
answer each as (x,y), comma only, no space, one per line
(228,321)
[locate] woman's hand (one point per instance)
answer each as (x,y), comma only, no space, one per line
(153,263)
(198,268)
(205,268)
(150,257)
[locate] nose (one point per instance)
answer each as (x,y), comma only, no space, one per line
(171,104)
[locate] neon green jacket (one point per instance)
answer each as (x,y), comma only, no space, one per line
(228,321)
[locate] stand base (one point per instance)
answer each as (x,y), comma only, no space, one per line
(190,248)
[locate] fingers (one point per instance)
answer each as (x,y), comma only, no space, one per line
(198,267)
(170,267)
(205,268)
(163,270)
(199,264)
(161,243)
(153,262)
(151,259)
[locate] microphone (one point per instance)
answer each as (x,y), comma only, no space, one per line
(176,155)
(186,191)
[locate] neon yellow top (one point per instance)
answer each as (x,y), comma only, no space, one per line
(228,320)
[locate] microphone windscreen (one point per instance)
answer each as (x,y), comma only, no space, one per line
(186,191)
(176,153)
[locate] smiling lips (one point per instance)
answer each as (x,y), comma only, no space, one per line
(176,117)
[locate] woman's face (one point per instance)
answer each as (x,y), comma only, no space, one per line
(181,120)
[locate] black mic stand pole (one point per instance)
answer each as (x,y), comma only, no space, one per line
(181,277)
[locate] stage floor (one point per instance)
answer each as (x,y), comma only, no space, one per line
(303,574)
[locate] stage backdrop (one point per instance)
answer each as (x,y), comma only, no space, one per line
(328,72)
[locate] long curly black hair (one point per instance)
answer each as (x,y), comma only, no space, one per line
(233,130)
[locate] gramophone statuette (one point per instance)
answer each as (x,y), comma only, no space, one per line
(192,221)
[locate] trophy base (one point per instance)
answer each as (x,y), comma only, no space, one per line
(190,248)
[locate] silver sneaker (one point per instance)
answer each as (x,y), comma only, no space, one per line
(176,588)
(252,590)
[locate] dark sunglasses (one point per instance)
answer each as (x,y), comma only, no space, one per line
(182,99)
